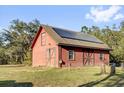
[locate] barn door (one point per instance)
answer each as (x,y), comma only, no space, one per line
(88,57)
(51,57)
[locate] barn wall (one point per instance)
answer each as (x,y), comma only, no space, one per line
(97,59)
(79,56)
(78,61)
(39,54)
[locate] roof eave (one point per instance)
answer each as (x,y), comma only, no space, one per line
(63,44)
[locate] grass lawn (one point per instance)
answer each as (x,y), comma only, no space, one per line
(86,76)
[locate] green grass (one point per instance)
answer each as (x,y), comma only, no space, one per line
(15,76)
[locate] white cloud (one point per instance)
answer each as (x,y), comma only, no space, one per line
(118,16)
(98,14)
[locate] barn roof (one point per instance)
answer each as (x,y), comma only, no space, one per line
(76,35)
(70,38)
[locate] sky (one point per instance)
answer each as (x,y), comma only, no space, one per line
(69,17)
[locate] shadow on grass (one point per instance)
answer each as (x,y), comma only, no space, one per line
(92,83)
(116,80)
(13,83)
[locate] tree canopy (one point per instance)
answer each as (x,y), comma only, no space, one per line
(16,40)
(113,36)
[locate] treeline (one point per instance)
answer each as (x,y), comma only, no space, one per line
(15,42)
(113,36)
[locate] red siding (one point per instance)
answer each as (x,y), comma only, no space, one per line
(39,52)
(106,56)
(79,56)
(78,61)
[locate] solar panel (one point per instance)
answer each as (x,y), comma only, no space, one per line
(75,35)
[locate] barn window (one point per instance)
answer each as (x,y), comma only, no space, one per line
(71,54)
(101,56)
(43,38)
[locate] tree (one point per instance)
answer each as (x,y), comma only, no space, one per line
(1,40)
(18,38)
(85,29)
(114,28)
(122,26)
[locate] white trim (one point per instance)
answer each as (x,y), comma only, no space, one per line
(72,55)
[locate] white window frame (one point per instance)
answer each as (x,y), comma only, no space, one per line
(73,55)
(101,56)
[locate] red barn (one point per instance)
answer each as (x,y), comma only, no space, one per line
(57,47)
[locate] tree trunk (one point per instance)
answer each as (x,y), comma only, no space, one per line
(113,70)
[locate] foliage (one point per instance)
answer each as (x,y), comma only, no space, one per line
(16,41)
(84,29)
(112,36)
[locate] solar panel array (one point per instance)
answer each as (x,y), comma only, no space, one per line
(75,35)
